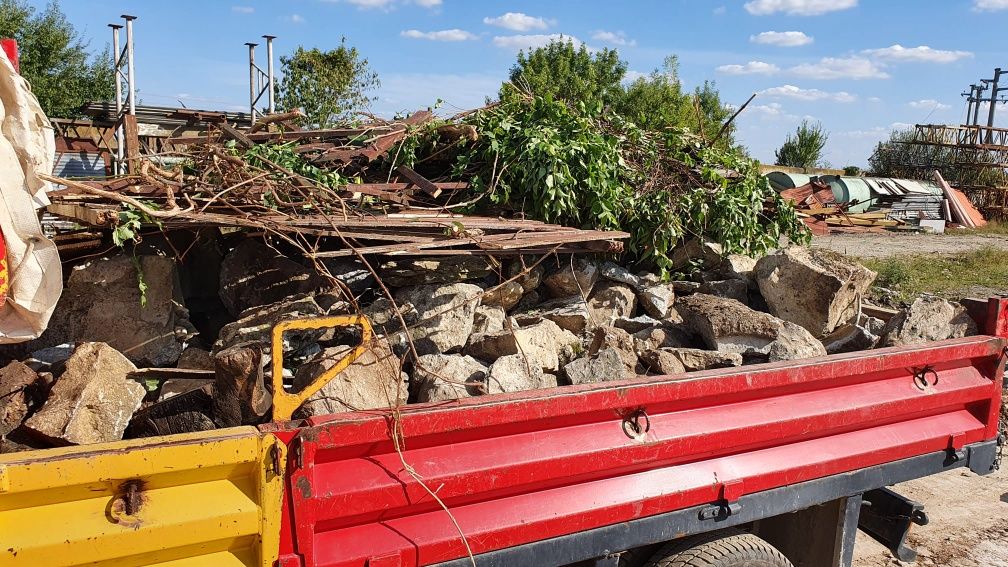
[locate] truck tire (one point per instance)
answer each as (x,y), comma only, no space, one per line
(730,548)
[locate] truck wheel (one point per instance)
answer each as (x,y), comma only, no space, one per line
(730,548)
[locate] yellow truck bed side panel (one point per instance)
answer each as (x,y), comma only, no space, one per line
(208,498)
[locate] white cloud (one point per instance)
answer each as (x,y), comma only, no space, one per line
(454,34)
(369,4)
(791,91)
(928,104)
(296,19)
(720,11)
(428,3)
(919,54)
(872,133)
(750,68)
(854,68)
(242,9)
(781,39)
(613,38)
(874,99)
(770,111)
(901,125)
(517,21)
(798,7)
(989,5)
(632,76)
(533,41)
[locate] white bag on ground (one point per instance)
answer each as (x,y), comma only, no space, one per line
(27,146)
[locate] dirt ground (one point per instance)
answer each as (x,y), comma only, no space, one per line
(968,528)
(885,245)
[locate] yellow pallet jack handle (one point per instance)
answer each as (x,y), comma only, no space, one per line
(286,403)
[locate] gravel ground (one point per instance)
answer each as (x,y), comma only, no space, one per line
(885,245)
(968,528)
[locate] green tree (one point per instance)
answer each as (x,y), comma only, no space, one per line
(805,148)
(657,102)
(54,59)
(329,86)
(569,73)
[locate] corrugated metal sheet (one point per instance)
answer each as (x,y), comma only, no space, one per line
(79,164)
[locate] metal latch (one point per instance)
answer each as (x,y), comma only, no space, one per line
(731,491)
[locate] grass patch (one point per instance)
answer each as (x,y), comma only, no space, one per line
(953,275)
(993,228)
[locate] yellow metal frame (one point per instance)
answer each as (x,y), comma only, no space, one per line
(286,403)
(211,498)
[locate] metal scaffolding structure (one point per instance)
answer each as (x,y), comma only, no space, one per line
(125,101)
(261,82)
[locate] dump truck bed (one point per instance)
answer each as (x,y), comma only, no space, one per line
(550,476)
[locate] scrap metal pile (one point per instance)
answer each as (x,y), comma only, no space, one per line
(830,204)
(340,191)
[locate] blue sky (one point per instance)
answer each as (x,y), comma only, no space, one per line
(860,67)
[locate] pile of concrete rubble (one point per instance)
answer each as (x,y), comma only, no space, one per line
(150,342)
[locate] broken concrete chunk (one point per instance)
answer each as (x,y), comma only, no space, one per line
(383,315)
(620,341)
(794,343)
(619,274)
(658,361)
(697,252)
(515,373)
(444,315)
(657,299)
(928,319)
(636,324)
(694,359)
(176,386)
(737,267)
(446,377)
(195,358)
(726,325)
(577,280)
(256,325)
(604,366)
(93,400)
(488,319)
(254,274)
(505,295)
(852,337)
(440,270)
(570,314)
(731,289)
(611,300)
(685,287)
(531,273)
(102,302)
(817,289)
(661,337)
(21,391)
(50,359)
(372,381)
(542,343)
(354,274)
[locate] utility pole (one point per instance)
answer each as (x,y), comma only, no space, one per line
(995,90)
(971,97)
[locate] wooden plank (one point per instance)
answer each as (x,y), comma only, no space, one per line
(132,142)
(420,181)
(236,135)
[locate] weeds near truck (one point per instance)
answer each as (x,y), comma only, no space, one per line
(952,276)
